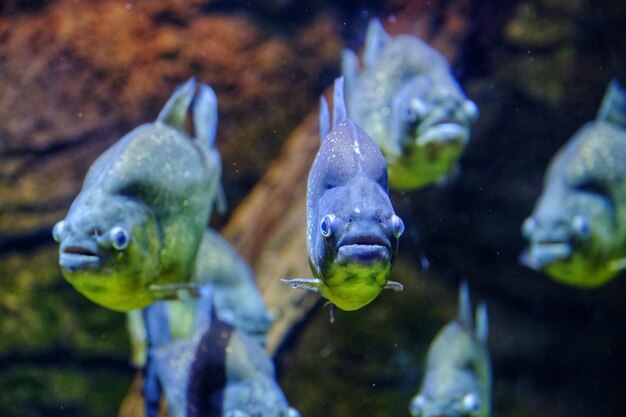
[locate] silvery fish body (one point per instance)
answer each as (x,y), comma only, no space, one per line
(352,230)
(577,231)
(215,370)
(457,379)
(140,216)
(406,98)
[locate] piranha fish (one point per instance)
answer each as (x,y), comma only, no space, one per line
(577,231)
(139,218)
(352,230)
(457,381)
(216,370)
(406,98)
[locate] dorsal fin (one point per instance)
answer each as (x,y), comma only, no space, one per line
(613,107)
(339,104)
(375,40)
(482,323)
(205,116)
(324,119)
(465,307)
(175,110)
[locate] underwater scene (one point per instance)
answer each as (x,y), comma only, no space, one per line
(278,208)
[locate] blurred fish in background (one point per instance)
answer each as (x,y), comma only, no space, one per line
(407,99)
(577,231)
(457,378)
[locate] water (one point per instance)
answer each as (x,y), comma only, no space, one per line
(76,76)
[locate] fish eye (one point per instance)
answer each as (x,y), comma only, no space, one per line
(414,110)
(470,109)
(581,226)
(397,226)
(292,412)
(120,238)
(528,227)
(57,231)
(470,403)
(325,225)
(416,406)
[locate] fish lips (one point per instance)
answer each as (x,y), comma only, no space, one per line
(77,257)
(442,133)
(363,249)
(541,254)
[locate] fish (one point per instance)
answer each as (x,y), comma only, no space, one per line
(133,232)
(215,370)
(352,229)
(577,230)
(235,297)
(457,378)
(408,100)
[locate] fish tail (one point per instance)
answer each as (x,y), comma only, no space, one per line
(613,107)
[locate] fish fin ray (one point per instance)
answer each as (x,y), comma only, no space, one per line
(375,39)
(482,323)
(465,306)
(339,103)
(617,264)
(175,109)
(613,107)
(309,284)
(394,285)
(324,119)
(205,116)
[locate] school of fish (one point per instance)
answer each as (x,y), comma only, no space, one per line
(135,239)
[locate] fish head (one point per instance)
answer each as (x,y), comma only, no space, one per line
(573,230)
(356,242)
(459,405)
(457,382)
(433,130)
(109,249)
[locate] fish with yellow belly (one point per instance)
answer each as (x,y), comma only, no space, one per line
(407,99)
(352,229)
(577,231)
(457,378)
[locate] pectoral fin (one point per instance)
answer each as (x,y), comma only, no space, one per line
(309,284)
(394,285)
(617,264)
(180,291)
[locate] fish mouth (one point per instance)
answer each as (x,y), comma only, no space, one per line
(75,257)
(445,132)
(363,249)
(541,254)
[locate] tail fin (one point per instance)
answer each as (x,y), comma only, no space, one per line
(613,107)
